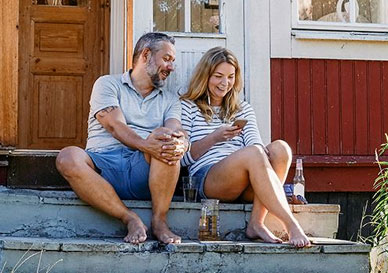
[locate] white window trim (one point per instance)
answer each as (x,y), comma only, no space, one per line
(320,25)
(287,42)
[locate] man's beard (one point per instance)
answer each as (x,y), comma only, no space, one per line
(152,71)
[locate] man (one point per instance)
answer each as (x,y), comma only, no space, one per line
(135,142)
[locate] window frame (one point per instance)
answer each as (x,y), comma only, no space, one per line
(336,26)
(187,20)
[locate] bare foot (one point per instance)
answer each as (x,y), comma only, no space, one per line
(297,237)
(262,232)
(137,231)
(163,233)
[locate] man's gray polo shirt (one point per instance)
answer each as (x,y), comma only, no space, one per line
(141,114)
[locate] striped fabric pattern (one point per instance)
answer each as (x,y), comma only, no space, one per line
(194,123)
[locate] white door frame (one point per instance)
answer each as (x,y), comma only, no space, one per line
(255,57)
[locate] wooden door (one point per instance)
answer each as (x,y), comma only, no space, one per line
(63,49)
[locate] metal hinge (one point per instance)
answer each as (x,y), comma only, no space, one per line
(107,3)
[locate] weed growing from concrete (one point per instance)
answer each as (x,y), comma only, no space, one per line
(24,258)
(380,198)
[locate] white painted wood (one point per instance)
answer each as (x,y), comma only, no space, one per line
(117,28)
(187,5)
(333,35)
(142,18)
(189,51)
(340,49)
(234,29)
(257,63)
(289,38)
(280,20)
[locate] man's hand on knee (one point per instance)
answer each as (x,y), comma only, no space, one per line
(174,152)
(165,145)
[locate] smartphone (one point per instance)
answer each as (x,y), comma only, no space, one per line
(240,123)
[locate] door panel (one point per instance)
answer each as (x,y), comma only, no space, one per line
(62,53)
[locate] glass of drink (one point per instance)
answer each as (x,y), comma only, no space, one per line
(190,188)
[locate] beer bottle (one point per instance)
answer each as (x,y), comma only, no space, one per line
(298,181)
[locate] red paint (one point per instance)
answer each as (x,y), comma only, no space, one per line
(289,105)
(361,108)
(276,101)
(347,107)
(304,108)
(333,107)
(331,111)
(375,97)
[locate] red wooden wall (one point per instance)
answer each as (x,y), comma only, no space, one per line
(334,114)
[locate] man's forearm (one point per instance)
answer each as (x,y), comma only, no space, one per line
(127,136)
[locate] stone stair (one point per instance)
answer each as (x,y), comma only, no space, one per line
(56,227)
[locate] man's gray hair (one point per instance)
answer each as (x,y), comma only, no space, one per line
(152,41)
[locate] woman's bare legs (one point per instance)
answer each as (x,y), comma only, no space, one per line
(250,166)
(280,157)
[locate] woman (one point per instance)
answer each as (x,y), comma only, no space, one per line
(232,162)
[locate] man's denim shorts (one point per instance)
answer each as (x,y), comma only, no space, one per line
(201,174)
(126,170)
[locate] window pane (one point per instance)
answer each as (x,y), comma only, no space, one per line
(80,3)
(363,11)
(205,16)
(169,15)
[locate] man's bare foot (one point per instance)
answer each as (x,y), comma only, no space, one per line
(261,232)
(163,233)
(297,237)
(137,231)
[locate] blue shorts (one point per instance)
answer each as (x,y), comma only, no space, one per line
(201,174)
(126,170)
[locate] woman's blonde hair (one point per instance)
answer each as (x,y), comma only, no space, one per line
(198,87)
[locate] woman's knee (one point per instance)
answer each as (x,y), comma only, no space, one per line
(256,155)
(69,160)
(280,150)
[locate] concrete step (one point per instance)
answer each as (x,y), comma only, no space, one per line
(112,255)
(60,214)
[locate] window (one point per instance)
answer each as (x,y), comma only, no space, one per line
(340,14)
(199,16)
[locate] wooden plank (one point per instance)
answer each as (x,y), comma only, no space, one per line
(319,106)
(376,111)
(304,107)
(342,200)
(9,72)
(289,103)
(354,211)
(276,99)
(361,107)
(347,108)
(333,107)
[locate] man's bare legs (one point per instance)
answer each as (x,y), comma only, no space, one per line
(78,169)
(232,175)
(280,159)
(162,182)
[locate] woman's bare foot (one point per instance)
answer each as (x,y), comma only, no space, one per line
(137,231)
(162,232)
(297,237)
(262,232)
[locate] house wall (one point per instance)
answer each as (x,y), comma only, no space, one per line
(9,11)
(334,114)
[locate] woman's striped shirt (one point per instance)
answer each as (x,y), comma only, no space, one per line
(194,123)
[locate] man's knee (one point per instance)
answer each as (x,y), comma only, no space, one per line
(69,160)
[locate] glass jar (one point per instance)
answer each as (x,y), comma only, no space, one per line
(209,222)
